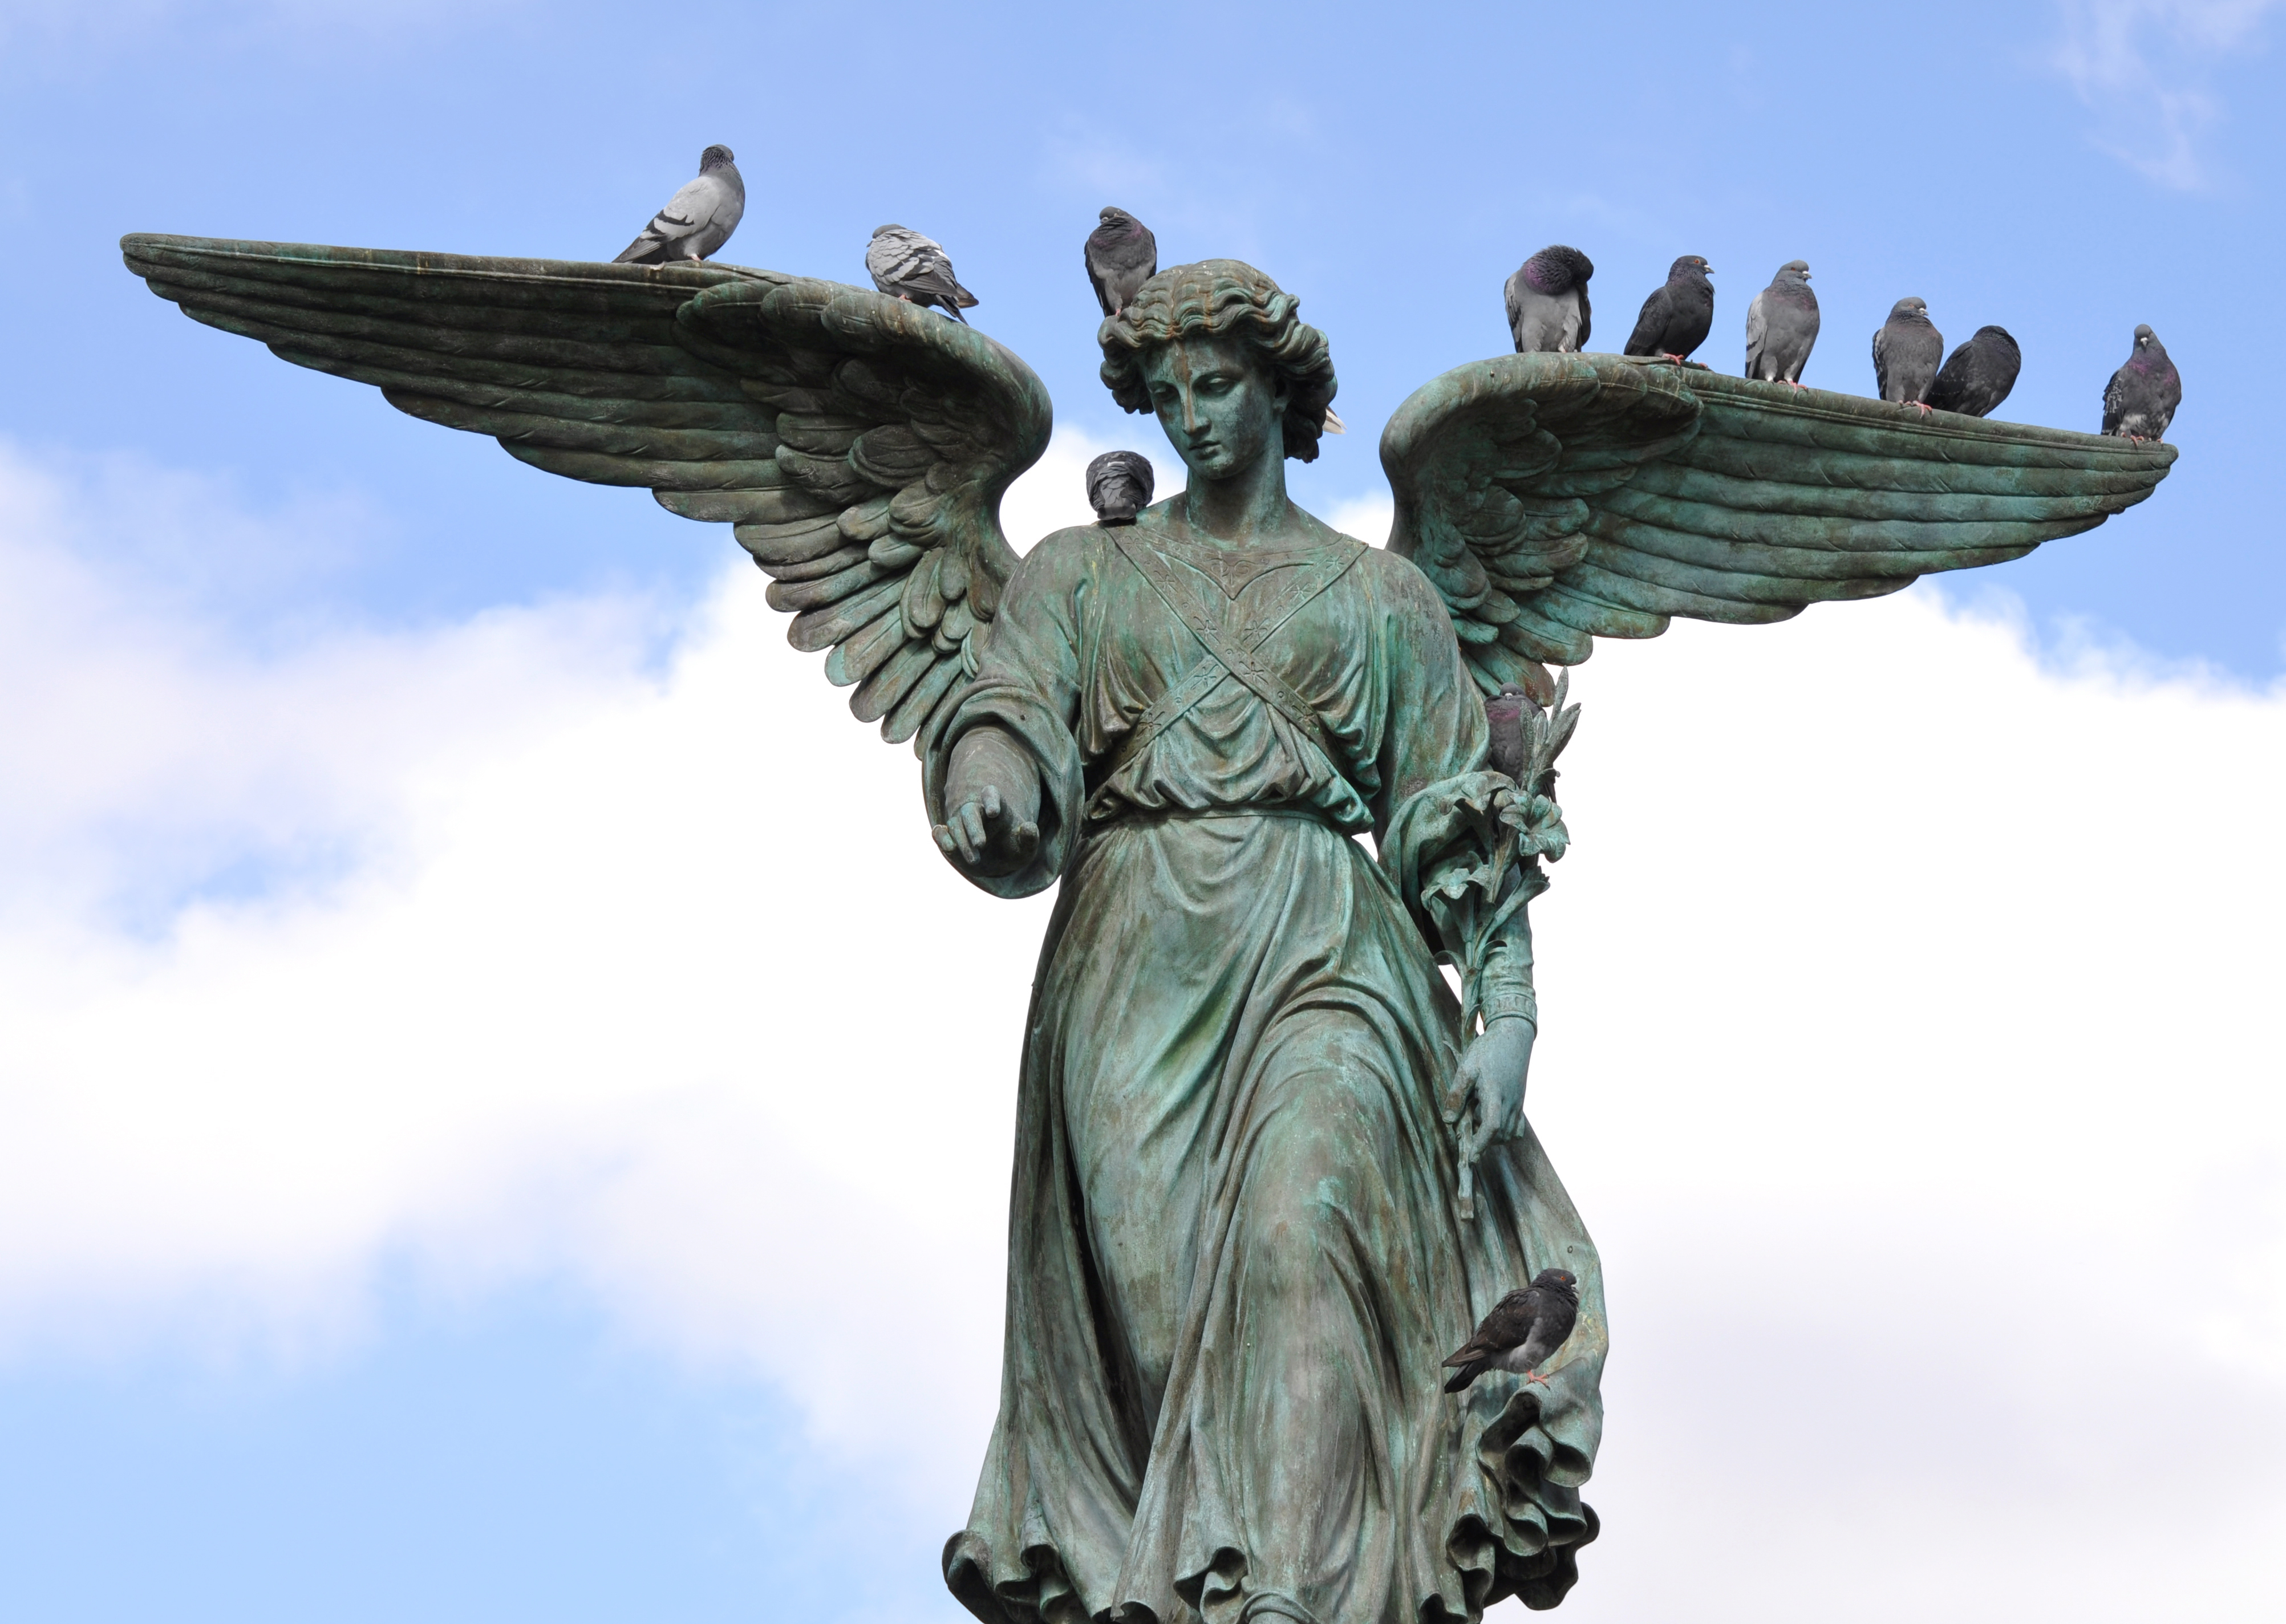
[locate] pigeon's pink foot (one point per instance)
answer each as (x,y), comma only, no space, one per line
(1790,384)
(1535,1375)
(1666,355)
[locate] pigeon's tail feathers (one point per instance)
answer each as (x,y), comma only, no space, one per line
(1459,1379)
(962,297)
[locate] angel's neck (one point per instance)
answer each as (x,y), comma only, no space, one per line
(1241,510)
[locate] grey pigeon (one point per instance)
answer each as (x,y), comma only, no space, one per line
(2140,401)
(1522,1333)
(1547,301)
(1977,376)
(1906,351)
(1504,716)
(698,220)
(1119,487)
(1678,315)
(1781,325)
(1121,255)
(907,266)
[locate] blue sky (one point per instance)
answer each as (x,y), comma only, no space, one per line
(460,1159)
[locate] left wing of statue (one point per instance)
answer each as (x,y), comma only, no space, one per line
(860,444)
(1555,499)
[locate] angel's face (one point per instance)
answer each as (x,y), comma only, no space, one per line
(1221,407)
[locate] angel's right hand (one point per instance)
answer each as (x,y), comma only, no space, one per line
(987,836)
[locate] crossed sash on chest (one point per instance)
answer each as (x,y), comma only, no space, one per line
(1229,636)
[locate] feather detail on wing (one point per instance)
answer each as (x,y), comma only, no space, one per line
(1555,499)
(859,445)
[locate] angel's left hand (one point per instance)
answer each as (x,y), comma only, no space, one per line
(1490,1078)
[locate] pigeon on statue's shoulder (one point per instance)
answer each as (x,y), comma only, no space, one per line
(1522,1333)
(2140,401)
(1119,487)
(1121,255)
(906,265)
(1547,301)
(698,220)
(1906,351)
(1782,326)
(1978,377)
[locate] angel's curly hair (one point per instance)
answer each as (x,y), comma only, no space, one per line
(1224,296)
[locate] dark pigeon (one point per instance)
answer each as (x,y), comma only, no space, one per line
(1121,255)
(1547,301)
(905,264)
(1522,1333)
(1678,316)
(1119,487)
(1781,325)
(698,220)
(2140,401)
(1504,716)
(1977,376)
(1906,351)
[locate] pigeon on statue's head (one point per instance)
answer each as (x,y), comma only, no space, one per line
(1121,255)
(698,220)
(1522,1333)
(1119,487)
(1547,301)
(906,265)
(2140,401)
(1781,325)
(1977,376)
(1906,351)
(1679,314)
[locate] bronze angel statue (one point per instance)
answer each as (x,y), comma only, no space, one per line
(1269,1170)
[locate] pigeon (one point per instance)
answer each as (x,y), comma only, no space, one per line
(1504,716)
(1978,375)
(2140,401)
(698,220)
(908,266)
(1678,315)
(1523,1331)
(1781,325)
(1119,487)
(1905,354)
(1121,255)
(1547,301)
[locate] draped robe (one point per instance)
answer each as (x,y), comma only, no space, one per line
(1235,1260)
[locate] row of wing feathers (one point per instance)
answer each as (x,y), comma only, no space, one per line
(860,446)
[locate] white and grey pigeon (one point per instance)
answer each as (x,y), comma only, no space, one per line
(1977,376)
(905,264)
(1547,301)
(1522,1333)
(1121,255)
(1906,351)
(1781,325)
(2140,401)
(698,220)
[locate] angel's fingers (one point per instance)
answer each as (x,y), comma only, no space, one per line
(992,802)
(968,829)
(944,840)
(1457,1091)
(1027,840)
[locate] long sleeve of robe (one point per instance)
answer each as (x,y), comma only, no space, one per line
(1235,1262)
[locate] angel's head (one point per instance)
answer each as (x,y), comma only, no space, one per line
(1219,315)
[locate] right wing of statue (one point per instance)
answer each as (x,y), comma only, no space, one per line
(1557,498)
(860,444)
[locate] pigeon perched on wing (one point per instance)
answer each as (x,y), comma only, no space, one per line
(1522,1333)
(1121,255)
(1782,324)
(2140,401)
(906,265)
(1977,376)
(1906,351)
(1119,487)
(1547,301)
(1679,314)
(698,220)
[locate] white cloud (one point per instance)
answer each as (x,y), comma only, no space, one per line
(2145,68)
(1908,1048)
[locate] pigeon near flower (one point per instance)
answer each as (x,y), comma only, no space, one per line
(1522,1333)
(1504,717)
(1547,301)
(2140,401)
(1781,325)
(1119,487)
(1121,255)
(698,220)
(1679,314)
(1906,351)
(1977,376)
(906,265)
